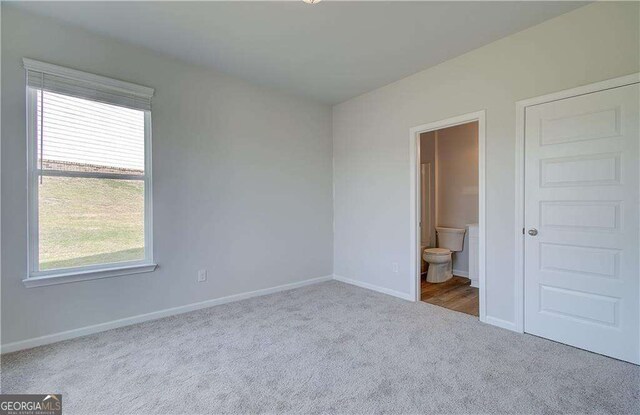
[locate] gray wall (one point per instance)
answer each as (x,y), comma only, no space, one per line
(371,139)
(242,184)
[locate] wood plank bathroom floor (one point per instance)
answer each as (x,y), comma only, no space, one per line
(456,294)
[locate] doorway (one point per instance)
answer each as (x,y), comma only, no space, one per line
(455,217)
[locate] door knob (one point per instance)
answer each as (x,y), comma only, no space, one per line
(533,232)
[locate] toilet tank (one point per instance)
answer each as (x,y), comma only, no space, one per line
(450,238)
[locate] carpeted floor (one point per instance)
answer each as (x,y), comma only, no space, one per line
(327,348)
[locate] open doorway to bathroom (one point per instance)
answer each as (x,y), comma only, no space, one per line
(449,217)
(449,213)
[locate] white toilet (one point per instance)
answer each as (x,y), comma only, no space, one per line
(440,262)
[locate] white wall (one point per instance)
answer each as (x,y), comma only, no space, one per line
(242,184)
(371,138)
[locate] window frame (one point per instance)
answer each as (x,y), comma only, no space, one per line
(36,277)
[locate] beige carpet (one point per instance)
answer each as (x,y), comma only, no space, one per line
(327,348)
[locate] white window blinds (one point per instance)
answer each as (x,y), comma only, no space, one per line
(92,87)
(76,134)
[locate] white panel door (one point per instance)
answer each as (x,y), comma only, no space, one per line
(582,197)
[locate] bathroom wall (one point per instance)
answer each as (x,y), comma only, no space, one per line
(428,155)
(457,183)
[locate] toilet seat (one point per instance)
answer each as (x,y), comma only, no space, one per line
(437,251)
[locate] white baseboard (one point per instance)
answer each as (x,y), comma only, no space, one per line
(372,287)
(84,331)
(460,273)
(504,324)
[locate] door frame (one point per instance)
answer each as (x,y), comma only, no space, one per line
(414,191)
(521,107)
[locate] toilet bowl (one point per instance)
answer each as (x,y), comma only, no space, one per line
(440,261)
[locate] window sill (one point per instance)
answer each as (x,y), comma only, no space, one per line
(86,275)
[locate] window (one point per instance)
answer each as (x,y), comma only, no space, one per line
(89,176)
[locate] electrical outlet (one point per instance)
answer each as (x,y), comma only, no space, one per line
(394,267)
(202,275)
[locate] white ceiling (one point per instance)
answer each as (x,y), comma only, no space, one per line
(331,51)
